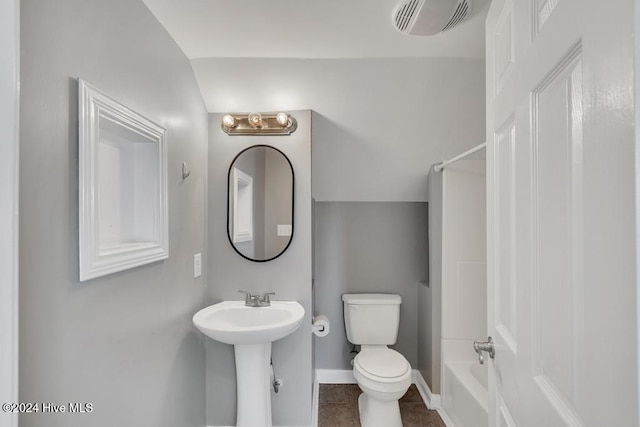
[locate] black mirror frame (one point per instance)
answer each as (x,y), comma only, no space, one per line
(293,198)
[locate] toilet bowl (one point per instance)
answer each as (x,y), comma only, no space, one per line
(383,374)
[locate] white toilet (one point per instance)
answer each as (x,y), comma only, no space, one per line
(383,374)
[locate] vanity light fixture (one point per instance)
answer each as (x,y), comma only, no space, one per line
(255,120)
(259,124)
(228,121)
(282,119)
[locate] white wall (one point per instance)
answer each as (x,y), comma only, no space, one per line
(289,276)
(378,123)
(124,342)
(9,74)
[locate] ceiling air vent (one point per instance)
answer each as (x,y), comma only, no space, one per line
(429,17)
(406,13)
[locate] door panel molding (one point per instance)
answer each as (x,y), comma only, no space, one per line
(505,226)
(557,282)
(541,10)
(503,47)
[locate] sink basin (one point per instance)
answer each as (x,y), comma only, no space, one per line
(232,322)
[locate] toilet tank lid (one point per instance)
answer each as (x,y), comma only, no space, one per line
(371,299)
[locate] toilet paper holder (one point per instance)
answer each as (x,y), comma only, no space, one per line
(320,326)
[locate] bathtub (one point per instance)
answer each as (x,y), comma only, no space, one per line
(464,394)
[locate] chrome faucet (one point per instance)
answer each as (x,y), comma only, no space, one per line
(251,300)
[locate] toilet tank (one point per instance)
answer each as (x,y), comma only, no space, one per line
(372,319)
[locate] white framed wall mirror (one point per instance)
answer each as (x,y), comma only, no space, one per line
(260,203)
(122,186)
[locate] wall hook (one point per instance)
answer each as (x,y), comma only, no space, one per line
(185,171)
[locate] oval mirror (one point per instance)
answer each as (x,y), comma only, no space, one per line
(260,203)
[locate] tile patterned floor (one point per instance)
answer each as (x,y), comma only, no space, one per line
(338,407)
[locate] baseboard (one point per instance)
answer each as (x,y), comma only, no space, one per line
(431,400)
(335,376)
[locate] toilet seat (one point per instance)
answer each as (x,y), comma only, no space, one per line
(382,363)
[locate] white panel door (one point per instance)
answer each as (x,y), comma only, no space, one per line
(562,294)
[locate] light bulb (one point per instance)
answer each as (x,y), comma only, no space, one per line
(282,119)
(228,121)
(255,119)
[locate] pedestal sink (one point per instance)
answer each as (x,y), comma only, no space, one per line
(251,330)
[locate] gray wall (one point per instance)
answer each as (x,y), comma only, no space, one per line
(368,247)
(289,276)
(378,123)
(124,342)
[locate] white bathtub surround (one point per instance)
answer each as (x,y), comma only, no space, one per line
(464,291)
(464,257)
(465,398)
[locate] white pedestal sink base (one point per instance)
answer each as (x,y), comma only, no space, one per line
(247,328)
(253,376)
